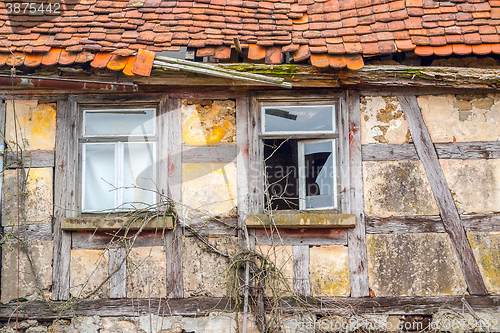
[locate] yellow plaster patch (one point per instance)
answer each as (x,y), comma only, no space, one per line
(36,125)
(282,257)
(212,122)
(88,269)
(486,248)
(329,270)
(209,188)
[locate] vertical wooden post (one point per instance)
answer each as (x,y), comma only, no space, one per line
(358,262)
(242,165)
(446,204)
(255,172)
(64,194)
(173,239)
(301,281)
(118,269)
(3,116)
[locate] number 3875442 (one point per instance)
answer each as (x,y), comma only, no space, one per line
(31,8)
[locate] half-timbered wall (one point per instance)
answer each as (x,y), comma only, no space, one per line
(404,243)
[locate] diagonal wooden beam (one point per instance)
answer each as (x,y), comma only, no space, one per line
(447,208)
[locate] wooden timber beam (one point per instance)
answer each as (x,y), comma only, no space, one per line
(200,306)
(358,257)
(452,150)
(420,224)
(447,208)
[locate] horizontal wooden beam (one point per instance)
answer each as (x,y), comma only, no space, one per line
(419,305)
(103,240)
(200,306)
(207,154)
(455,150)
(129,307)
(31,159)
(301,219)
(421,224)
(32,232)
(312,237)
(93,223)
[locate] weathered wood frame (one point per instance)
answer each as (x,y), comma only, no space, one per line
(64,194)
(349,150)
(65,190)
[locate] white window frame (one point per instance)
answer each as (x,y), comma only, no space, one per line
(118,142)
(302,167)
(304,137)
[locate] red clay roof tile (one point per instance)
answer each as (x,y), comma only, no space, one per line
(337,61)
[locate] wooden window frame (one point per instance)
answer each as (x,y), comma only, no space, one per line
(66,185)
(256,137)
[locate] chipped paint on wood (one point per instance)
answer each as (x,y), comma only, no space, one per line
(329,270)
(413,264)
(36,128)
(397,188)
(209,189)
(207,122)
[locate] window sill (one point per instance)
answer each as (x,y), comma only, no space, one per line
(114,223)
(302,219)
